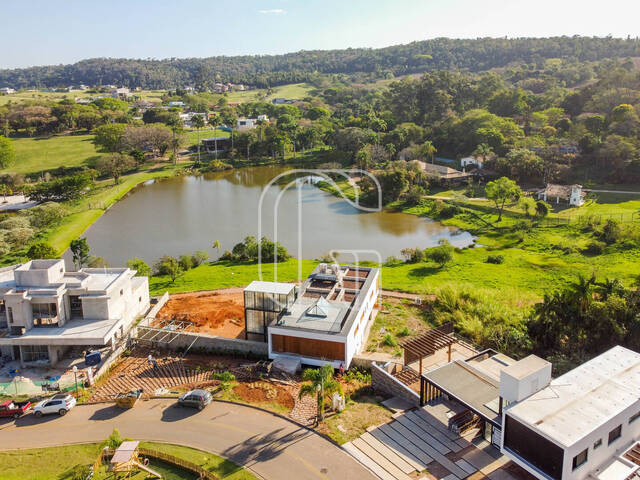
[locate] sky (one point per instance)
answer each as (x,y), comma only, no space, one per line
(44,32)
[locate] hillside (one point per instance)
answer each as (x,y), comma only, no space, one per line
(269,70)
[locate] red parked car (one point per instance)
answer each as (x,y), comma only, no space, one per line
(9,408)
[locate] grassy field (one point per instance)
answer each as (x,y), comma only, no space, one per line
(294,91)
(57,463)
(49,153)
(215,275)
(27,95)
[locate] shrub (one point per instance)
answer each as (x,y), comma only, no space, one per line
(389,341)
(223,376)
(41,250)
(115,439)
(442,254)
(594,248)
(199,257)
(186,262)
(610,233)
(412,255)
(46,214)
(80,472)
(495,259)
(448,211)
(392,260)
(20,236)
(140,266)
(14,222)
(405,332)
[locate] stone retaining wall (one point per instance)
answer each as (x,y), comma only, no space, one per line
(382,381)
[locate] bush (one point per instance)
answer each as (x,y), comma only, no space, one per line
(442,254)
(199,257)
(611,232)
(389,341)
(448,211)
(405,332)
(186,262)
(594,248)
(46,214)
(495,259)
(20,236)
(80,472)
(412,255)
(391,261)
(114,440)
(14,222)
(223,376)
(41,250)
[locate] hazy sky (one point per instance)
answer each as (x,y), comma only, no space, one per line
(40,32)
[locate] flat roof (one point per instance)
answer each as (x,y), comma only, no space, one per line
(471,387)
(301,317)
(578,402)
(74,332)
(525,367)
(270,287)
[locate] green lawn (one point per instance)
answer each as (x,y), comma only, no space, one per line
(215,275)
(48,153)
(57,463)
(293,91)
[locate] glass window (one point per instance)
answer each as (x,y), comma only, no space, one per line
(580,459)
(634,417)
(33,353)
(597,443)
(249,300)
(254,321)
(615,434)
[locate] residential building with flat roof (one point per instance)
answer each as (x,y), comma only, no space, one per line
(325,320)
(583,424)
(46,312)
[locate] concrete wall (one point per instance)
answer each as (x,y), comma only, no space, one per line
(214,344)
(383,382)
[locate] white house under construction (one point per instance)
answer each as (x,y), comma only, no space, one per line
(326,319)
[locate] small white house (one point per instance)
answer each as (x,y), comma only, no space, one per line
(7,90)
(245,124)
(571,194)
(468,161)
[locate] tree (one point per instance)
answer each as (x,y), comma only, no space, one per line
(41,250)
(80,252)
(200,257)
(115,165)
(501,191)
(215,121)
(428,150)
(198,122)
(7,152)
(140,266)
(322,385)
(442,254)
(216,245)
(169,266)
(483,150)
(542,208)
(61,189)
(109,137)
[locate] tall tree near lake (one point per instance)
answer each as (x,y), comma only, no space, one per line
(215,121)
(109,137)
(198,122)
(501,191)
(115,165)
(7,152)
(80,252)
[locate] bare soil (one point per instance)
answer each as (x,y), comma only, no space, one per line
(216,312)
(262,392)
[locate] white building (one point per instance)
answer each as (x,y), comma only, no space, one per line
(122,93)
(325,321)
(176,104)
(7,90)
(571,194)
(583,424)
(468,161)
(245,124)
(47,311)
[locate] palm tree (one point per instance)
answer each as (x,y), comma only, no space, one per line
(198,122)
(428,150)
(322,385)
(215,121)
(483,150)
(216,245)
(581,290)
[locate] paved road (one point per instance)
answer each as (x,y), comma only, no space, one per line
(268,445)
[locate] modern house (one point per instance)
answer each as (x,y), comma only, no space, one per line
(245,124)
(571,194)
(47,312)
(325,320)
(122,93)
(281,101)
(471,161)
(221,143)
(7,90)
(583,424)
(442,173)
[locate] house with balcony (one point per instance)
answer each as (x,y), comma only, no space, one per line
(47,313)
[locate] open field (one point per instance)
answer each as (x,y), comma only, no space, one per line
(28,95)
(48,153)
(294,91)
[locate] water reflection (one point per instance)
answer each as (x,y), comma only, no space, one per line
(184,214)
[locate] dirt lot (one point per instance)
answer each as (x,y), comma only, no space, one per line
(218,312)
(261,392)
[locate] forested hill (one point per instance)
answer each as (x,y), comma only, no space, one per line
(262,71)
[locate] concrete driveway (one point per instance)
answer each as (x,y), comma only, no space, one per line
(268,445)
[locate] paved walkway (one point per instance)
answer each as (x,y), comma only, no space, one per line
(270,446)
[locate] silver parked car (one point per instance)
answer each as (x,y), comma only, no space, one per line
(59,404)
(195,399)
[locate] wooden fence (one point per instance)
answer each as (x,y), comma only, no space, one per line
(165,457)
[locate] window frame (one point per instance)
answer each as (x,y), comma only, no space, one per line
(575,465)
(612,440)
(597,444)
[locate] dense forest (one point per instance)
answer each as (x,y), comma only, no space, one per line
(271,70)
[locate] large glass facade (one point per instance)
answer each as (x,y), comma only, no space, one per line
(261,309)
(34,353)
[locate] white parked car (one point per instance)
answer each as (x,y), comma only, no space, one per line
(59,404)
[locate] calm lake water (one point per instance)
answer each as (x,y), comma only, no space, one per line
(184,214)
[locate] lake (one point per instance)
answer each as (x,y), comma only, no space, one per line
(183,214)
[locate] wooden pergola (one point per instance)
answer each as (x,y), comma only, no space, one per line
(428,343)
